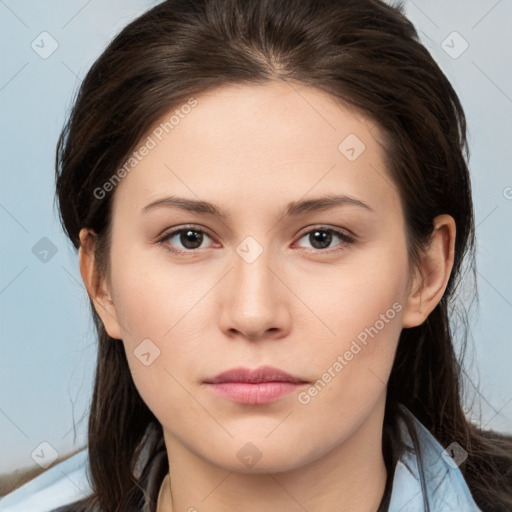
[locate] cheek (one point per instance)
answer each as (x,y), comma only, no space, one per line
(360,312)
(161,308)
(352,296)
(153,296)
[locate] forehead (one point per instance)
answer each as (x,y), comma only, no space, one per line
(261,142)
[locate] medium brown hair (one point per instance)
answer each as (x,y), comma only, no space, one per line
(365,53)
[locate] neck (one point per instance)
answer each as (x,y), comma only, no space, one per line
(351,477)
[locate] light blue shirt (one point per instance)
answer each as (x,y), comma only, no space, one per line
(445,488)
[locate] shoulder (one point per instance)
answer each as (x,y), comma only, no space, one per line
(427,473)
(53,490)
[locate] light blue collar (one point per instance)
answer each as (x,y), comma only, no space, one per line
(445,487)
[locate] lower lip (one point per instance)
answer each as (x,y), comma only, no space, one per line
(258,393)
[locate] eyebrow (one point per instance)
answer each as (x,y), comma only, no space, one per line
(294,208)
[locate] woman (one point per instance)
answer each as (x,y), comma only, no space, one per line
(272,207)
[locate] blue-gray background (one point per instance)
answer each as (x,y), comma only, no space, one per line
(47,351)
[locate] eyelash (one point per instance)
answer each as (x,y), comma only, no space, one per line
(346,239)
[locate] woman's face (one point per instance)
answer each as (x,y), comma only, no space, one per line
(270,283)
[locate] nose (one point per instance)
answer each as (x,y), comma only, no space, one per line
(255,300)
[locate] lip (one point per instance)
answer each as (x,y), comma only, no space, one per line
(259,386)
(258,375)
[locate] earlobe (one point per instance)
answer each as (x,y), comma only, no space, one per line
(97,286)
(431,277)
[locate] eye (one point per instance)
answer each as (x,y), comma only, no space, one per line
(189,237)
(321,237)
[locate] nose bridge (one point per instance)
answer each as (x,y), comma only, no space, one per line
(254,302)
(252,277)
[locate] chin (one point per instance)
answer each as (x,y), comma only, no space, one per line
(262,456)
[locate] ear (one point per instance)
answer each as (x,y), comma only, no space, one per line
(97,286)
(432,275)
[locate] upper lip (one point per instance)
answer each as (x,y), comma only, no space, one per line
(261,374)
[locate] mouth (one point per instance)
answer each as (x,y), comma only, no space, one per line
(262,385)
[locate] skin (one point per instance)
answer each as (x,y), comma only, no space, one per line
(251,150)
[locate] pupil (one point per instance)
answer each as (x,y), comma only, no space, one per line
(322,237)
(192,238)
